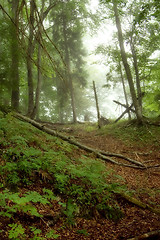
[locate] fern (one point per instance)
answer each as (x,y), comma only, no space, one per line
(17,232)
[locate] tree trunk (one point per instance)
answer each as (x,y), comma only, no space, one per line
(126,65)
(29,60)
(15,57)
(97,106)
(135,64)
(39,69)
(39,83)
(68,73)
(124,90)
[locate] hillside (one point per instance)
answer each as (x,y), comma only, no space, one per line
(51,189)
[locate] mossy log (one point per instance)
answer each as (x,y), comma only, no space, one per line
(139,203)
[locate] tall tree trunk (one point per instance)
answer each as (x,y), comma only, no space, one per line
(124,90)
(135,64)
(126,65)
(39,83)
(15,57)
(68,73)
(29,60)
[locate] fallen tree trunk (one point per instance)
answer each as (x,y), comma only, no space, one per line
(100,154)
(150,235)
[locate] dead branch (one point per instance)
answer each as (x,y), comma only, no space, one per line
(98,154)
(123,157)
(129,108)
(150,235)
(126,111)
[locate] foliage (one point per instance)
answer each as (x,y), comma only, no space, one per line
(16,232)
(21,204)
(83,183)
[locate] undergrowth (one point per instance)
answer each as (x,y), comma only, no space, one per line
(28,157)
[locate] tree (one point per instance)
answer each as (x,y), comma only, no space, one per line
(67,34)
(15,56)
(29,58)
(126,65)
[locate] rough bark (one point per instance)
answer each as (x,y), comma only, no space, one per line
(126,65)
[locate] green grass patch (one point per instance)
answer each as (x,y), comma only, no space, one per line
(130,132)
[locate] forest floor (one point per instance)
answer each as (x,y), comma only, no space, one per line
(144,185)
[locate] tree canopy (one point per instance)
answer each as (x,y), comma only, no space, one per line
(44,65)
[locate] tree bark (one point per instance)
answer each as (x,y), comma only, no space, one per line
(126,65)
(135,64)
(15,57)
(39,69)
(29,60)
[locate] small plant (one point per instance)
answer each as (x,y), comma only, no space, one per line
(52,235)
(70,210)
(36,233)
(17,232)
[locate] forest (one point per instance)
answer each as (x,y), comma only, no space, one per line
(79,119)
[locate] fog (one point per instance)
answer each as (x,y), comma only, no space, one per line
(97,70)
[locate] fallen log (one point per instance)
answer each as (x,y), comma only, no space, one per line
(100,154)
(146,236)
(139,203)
